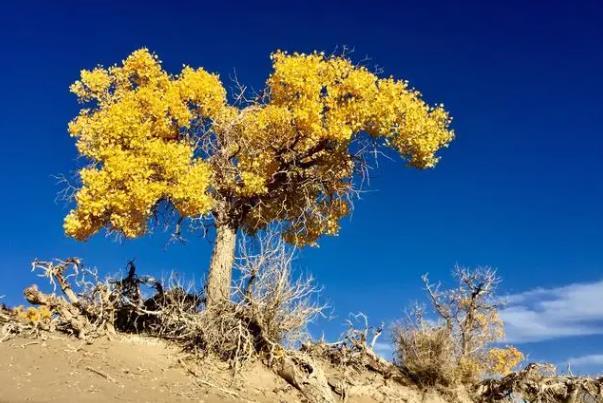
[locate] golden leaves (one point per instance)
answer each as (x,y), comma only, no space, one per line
(202,89)
(331,97)
(132,136)
(501,361)
(32,314)
(287,159)
(94,84)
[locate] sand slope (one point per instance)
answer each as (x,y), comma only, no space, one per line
(139,369)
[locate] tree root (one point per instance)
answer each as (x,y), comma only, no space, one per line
(307,376)
(71,318)
(238,332)
(358,356)
(537,383)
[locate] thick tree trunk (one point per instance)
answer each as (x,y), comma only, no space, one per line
(220,269)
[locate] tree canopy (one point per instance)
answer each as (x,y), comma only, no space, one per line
(285,156)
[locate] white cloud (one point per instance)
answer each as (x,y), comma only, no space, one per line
(586,360)
(585,365)
(544,314)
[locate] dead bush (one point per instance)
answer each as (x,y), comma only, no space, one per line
(540,383)
(456,347)
(269,312)
(424,352)
(281,304)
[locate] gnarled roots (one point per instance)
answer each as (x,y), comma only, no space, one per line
(268,314)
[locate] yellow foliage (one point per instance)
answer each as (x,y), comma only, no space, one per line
(501,361)
(469,369)
(495,362)
(151,136)
(133,137)
(32,314)
(457,348)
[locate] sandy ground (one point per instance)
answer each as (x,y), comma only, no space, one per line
(130,368)
(126,369)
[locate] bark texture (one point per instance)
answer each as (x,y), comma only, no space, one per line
(220,268)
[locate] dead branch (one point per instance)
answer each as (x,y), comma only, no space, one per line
(104,375)
(353,350)
(72,320)
(538,383)
(56,270)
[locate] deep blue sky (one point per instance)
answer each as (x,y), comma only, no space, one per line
(519,189)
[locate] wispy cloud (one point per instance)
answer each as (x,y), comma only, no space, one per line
(587,360)
(550,313)
(587,364)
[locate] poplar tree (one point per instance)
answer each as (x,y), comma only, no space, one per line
(291,155)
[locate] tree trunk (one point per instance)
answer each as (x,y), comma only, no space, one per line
(220,268)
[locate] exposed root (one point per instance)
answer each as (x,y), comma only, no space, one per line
(538,383)
(269,312)
(354,350)
(307,376)
(19,321)
(268,315)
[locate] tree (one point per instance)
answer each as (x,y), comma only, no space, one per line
(291,155)
(458,345)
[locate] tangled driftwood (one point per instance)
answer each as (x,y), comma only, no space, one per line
(268,308)
(97,308)
(538,383)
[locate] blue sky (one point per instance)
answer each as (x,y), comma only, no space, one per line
(520,188)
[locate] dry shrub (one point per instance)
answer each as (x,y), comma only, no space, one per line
(21,320)
(425,352)
(32,315)
(540,383)
(270,309)
(456,347)
(280,303)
